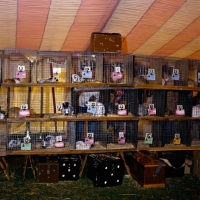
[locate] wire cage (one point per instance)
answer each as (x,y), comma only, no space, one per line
(2,139)
(51,135)
(179,103)
(38,101)
(86,67)
(195,133)
(106,134)
(19,66)
(149,133)
(193,73)
(151,102)
(118,68)
(175,133)
(53,67)
(99,102)
(148,70)
(163,133)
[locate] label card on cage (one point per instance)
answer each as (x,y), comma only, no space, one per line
(56,70)
(87,72)
(175,75)
(90,138)
(121,110)
(59,138)
(177,139)
(148,138)
(121,138)
(24,111)
(117,75)
(91,107)
(180,111)
(25,146)
(59,106)
(151,109)
(151,75)
(198,78)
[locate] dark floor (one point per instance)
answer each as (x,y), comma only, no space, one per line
(177,188)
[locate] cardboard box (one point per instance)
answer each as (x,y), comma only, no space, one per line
(106,42)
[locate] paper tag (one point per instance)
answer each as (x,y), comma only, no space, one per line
(59,138)
(90,138)
(21,68)
(117,69)
(86,74)
(20,74)
(117,75)
(24,113)
(180,111)
(25,146)
(121,140)
(177,139)
(91,109)
(151,109)
(151,75)
(148,138)
(56,70)
(175,75)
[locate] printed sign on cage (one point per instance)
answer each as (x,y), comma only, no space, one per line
(59,143)
(92,107)
(151,109)
(121,138)
(180,111)
(148,138)
(122,110)
(21,73)
(177,138)
(24,111)
(90,138)
(151,75)
(117,74)
(175,75)
(87,73)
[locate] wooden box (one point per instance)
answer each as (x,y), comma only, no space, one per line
(144,167)
(106,42)
(48,170)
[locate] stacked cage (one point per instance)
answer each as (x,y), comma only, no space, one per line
(40,135)
(105,116)
(147,70)
(86,68)
(118,68)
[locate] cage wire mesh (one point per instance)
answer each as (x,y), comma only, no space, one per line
(53,67)
(102,102)
(118,68)
(86,67)
(19,66)
(148,70)
(106,134)
(43,135)
(195,133)
(178,103)
(3,139)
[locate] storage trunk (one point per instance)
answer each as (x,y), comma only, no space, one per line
(48,170)
(105,170)
(144,169)
(105,42)
(69,167)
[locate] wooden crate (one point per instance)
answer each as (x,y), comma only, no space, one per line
(143,170)
(106,42)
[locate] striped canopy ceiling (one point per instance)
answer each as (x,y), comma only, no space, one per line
(167,28)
